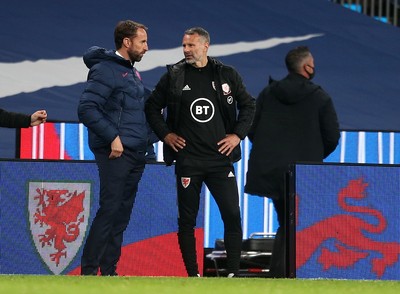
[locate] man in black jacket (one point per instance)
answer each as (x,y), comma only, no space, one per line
(202,132)
(295,121)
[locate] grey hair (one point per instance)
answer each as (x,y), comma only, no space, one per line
(200,31)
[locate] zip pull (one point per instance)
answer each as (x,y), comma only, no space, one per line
(137,73)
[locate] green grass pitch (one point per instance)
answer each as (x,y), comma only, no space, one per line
(32,284)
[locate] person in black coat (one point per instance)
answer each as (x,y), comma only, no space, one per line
(295,121)
(208,113)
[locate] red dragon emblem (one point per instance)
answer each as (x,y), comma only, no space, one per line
(57,217)
(349,233)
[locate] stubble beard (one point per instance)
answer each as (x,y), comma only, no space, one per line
(135,57)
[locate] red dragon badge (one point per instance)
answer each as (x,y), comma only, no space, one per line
(58,215)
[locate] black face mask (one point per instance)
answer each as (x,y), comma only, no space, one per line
(311,75)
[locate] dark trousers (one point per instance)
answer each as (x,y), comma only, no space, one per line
(119,179)
(278,258)
(220,180)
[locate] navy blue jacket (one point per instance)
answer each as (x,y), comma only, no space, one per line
(112,103)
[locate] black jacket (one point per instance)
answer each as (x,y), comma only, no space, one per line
(14,119)
(295,121)
(168,93)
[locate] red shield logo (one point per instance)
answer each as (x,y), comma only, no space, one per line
(58,217)
(226,89)
(185,182)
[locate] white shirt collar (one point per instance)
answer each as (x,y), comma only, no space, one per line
(119,54)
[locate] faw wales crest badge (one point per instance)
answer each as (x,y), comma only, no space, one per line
(58,217)
(185,182)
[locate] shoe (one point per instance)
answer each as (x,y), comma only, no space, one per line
(89,271)
(231,275)
(113,274)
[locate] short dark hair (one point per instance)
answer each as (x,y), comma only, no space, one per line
(295,58)
(200,31)
(126,29)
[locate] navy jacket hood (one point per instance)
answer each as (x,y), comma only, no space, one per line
(97,54)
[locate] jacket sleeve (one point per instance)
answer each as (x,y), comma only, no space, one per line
(14,119)
(151,136)
(246,105)
(329,127)
(99,88)
(259,106)
(154,108)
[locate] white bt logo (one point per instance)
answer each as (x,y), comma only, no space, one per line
(202,110)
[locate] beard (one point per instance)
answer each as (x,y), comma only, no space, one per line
(190,60)
(135,56)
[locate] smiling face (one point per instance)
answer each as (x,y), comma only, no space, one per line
(195,49)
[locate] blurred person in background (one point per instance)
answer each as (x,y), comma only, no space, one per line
(295,121)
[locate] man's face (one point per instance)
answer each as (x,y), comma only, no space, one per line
(138,45)
(309,67)
(195,49)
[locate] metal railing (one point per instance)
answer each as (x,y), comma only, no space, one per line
(384,10)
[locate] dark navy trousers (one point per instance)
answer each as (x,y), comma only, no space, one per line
(119,179)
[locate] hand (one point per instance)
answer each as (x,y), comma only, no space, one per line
(38,117)
(227,144)
(116,148)
(174,141)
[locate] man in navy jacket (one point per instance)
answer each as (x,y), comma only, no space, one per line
(112,108)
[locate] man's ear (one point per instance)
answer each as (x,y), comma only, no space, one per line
(126,42)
